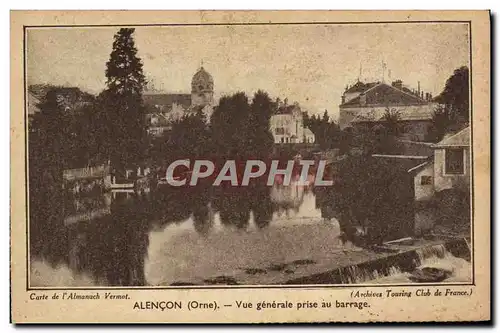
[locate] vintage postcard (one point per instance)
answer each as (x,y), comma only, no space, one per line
(250,166)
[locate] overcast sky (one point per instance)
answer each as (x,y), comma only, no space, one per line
(310,64)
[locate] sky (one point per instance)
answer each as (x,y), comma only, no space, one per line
(309,64)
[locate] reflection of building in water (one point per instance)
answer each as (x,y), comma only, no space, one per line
(288,196)
(81,209)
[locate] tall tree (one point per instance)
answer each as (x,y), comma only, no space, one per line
(189,137)
(230,125)
(47,160)
(455,96)
(326,117)
(123,101)
(441,122)
(260,138)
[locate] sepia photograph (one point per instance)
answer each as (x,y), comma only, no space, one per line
(110,109)
(251,155)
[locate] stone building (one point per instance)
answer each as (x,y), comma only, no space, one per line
(364,105)
(163,109)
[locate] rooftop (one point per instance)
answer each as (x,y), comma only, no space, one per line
(287,109)
(167,100)
(460,139)
(382,94)
(360,87)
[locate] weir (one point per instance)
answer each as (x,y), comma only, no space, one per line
(393,264)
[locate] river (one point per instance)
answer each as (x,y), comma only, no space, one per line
(207,235)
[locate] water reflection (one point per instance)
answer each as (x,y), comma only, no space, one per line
(107,237)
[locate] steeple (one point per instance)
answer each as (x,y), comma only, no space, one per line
(202,87)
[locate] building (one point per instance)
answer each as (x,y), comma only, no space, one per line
(364,105)
(448,169)
(163,109)
(308,136)
(32,107)
(69,98)
(452,162)
(287,126)
(423,180)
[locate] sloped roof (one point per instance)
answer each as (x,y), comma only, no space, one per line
(33,102)
(460,139)
(307,131)
(161,119)
(418,167)
(287,109)
(399,163)
(384,94)
(167,100)
(40,91)
(361,87)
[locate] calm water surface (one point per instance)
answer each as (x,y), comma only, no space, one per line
(197,235)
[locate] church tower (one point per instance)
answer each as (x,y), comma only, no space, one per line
(202,88)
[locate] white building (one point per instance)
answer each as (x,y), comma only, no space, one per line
(287,126)
(450,168)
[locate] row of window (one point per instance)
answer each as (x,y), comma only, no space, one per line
(288,140)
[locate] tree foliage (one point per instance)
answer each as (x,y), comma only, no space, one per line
(189,137)
(455,94)
(441,123)
(241,129)
(123,121)
(391,121)
(453,113)
(326,131)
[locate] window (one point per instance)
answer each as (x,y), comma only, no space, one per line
(454,161)
(426,180)
(362,99)
(280,130)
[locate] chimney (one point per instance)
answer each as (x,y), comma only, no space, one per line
(422,95)
(398,84)
(418,88)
